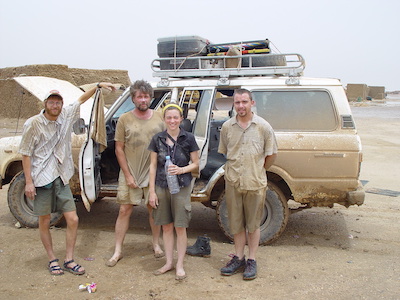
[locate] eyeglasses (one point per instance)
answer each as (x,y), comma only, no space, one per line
(55,103)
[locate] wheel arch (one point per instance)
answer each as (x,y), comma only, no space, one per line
(13,168)
(281,183)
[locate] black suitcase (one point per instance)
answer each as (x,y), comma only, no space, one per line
(181,47)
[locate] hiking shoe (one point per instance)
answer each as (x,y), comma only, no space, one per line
(233,266)
(200,248)
(251,270)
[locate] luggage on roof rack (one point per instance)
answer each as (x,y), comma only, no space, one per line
(261,61)
(248,45)
(181,46)
(289,64)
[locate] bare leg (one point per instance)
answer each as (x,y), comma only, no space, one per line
(181,244)
(168,238)
(121,227)
(155,231)
(45,237)
(240,242)
(254,240)
(72,229)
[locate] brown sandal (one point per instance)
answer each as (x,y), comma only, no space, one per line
(74,269)
(56,269)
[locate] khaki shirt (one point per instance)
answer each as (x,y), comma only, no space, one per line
(245,151)
(48,144)
(136,135)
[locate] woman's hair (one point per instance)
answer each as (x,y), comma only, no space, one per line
(172,106)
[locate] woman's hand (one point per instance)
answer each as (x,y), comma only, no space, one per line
(175,170)
(153,200)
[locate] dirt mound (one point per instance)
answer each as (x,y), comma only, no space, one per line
(19,103)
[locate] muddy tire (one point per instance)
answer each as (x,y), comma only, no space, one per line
(274,218)
(21,207)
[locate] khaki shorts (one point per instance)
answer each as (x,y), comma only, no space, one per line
(53,197)
(175,208)
(128,195)
(245,208)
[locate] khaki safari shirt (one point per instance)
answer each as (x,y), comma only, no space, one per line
(48,144)
(245,151)
(136,135)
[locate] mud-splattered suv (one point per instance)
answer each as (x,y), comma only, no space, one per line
(319,151)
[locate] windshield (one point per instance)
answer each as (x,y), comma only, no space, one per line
(126,106)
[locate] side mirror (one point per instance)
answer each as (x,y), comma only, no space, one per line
(79,126)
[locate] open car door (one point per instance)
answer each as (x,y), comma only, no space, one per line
(89,156)
(196,104)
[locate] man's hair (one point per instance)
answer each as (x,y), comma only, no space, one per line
(142,86)
(241,92)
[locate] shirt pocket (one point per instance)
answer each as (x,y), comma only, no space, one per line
(256,147)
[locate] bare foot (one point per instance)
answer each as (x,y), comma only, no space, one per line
(164,269)
(158,252)
(180,274)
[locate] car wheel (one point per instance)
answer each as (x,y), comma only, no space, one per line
(21,207)
(274,219)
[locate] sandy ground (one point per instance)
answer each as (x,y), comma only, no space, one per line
(333,253)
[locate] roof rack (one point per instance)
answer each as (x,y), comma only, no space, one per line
(212,65)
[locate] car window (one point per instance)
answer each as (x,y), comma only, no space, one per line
(296,110)
(127,105)
(222,109)
(201,103)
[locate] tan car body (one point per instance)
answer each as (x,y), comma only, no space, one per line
(315,167)
(320,168)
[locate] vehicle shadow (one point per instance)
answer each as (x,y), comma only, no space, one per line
(104,213)
(320,227)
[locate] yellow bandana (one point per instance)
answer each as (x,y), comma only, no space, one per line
(172,105)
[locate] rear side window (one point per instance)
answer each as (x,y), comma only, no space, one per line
(296,110)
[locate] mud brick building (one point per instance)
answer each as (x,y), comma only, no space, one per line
(12,94)
(362,91)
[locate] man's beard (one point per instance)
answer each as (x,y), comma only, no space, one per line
(142,107)
(50,113)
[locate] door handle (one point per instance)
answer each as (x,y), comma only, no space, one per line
(341,155)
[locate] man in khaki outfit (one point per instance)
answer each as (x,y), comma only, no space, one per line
(132,137)
(248,142)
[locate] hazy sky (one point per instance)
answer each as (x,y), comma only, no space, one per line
(356,41)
